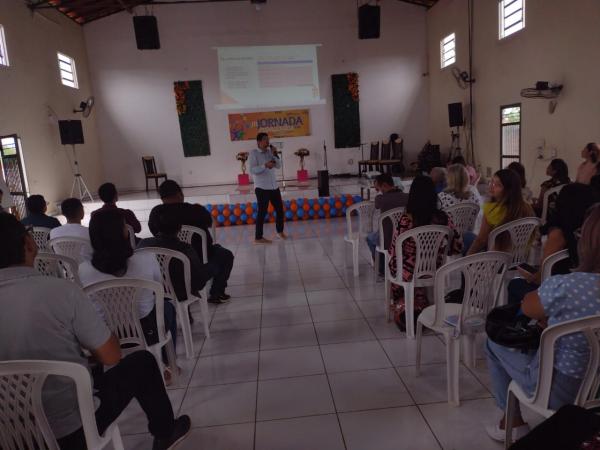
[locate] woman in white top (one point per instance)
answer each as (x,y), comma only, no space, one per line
(458,189)
(113,257)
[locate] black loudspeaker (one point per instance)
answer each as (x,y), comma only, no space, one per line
(146,32)
(369,21)
(323,178)
(71,132)
(455,115)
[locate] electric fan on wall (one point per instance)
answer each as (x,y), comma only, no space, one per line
(85,107)
(463,79)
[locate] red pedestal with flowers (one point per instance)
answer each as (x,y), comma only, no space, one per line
(302,175)
(243,179)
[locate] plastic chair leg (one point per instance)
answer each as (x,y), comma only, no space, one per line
(469,350)
(419,342)
(355,257)
(409,311)
(186,329)
(452,369)
(117,442)
(205,313)
(511,406)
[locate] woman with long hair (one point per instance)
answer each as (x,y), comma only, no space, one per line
(421,210)
(525,191)
(506,204)
(113,257)
(560,298)
(588,168)
(558,171)
(458,189)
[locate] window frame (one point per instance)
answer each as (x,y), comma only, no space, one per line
(73,72)
(501,18)
(4,60)
(502,125)
(442,52)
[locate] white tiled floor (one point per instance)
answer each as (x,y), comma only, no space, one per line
(304,358)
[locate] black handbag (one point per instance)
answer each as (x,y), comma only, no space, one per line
(505,326)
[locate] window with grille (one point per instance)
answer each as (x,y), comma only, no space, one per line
(448,50)
(3,51)
(68,74)
(510,134)
(512,16)
(12,170)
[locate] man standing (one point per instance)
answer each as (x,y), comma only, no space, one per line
(263,162)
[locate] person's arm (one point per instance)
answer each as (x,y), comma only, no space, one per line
(255,167)
(481,240)
(133,221)
(555,243)
(153,222)
(532,306)
(202,217)
(379,201)
(108,353)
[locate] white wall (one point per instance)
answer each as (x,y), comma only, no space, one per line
(31,84)
(559,44)
(136,105)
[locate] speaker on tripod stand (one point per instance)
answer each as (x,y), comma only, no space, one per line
(71,133)
(455,119)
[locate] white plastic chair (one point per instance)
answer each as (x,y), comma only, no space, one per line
(59,266)
(393,216)
(73,247)
(118,301)
(131,232)
(463,216)
(483,274)
(164,257)
(23,422)
(551,260)
(365,211)
(186,234)
(587,397)
(547,194)
(40,236)
(429,241)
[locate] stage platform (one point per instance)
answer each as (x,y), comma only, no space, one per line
(141,203)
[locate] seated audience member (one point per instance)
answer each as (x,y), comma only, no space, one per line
(520,170)
(421,210)
(166,237)
(558,171)
(559,299)
(390,197)
(72,209)
(114,258)
(109,195)
(507,204)
(56,329)
(2,210)
(438,176)
(564,228)
(458,189)
(588,168)
(197,216)
(36,213)
(473,175)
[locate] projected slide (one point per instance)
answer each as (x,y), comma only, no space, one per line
(267,76)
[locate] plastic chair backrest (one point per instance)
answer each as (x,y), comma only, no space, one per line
(393,216)
(23,422)
(521,231)
(186,234)
(69,246)
(587,396)
(386,150)
(164,256)
(397,147)
(40,236)
(547,194)
(483,274)
(374,155)
(550,261)
(59,266)
(118,300)
(429,240)
(131,235)
(365,211)
(149,165)
(463,215)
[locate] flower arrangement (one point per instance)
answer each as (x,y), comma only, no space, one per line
(353,85)
(302,153)
(180,88)
(242,157)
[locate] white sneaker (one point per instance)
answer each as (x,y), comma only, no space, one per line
(498,434)
(281,236)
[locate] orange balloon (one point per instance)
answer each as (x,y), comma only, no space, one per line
(227,223)
(249,210)
(349,202)
(271,219)
(239,222)
(326,208)
(270,208)
(294,207)
(250,221)
(237,212)
(316,207)
(226,213)
(214,212)
(306,207)
(295,218)
(338,204)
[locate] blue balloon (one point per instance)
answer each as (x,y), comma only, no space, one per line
(300,213)
(208,206)
(233,218)
(221,218)
(254,205)
(311,212)
(331,201)
(300,201)
(321,213)
(322,201)
(344,210)
(254,215)
(289,215)
(220,208)
(244,217)
(333,212)
(311,202)
(287,203)
(357,198)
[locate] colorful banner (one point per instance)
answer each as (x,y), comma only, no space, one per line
(279,124)
(192,118)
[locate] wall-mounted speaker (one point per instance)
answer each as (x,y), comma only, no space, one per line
(71,132)
(146,32)
(369,21)
(455,115)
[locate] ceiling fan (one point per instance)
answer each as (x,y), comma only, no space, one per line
(85,107)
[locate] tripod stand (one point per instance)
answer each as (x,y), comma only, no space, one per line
(78,182)
(455,149)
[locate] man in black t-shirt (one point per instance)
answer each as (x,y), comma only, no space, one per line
(197,216)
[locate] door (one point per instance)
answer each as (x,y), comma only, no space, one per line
(11,162)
